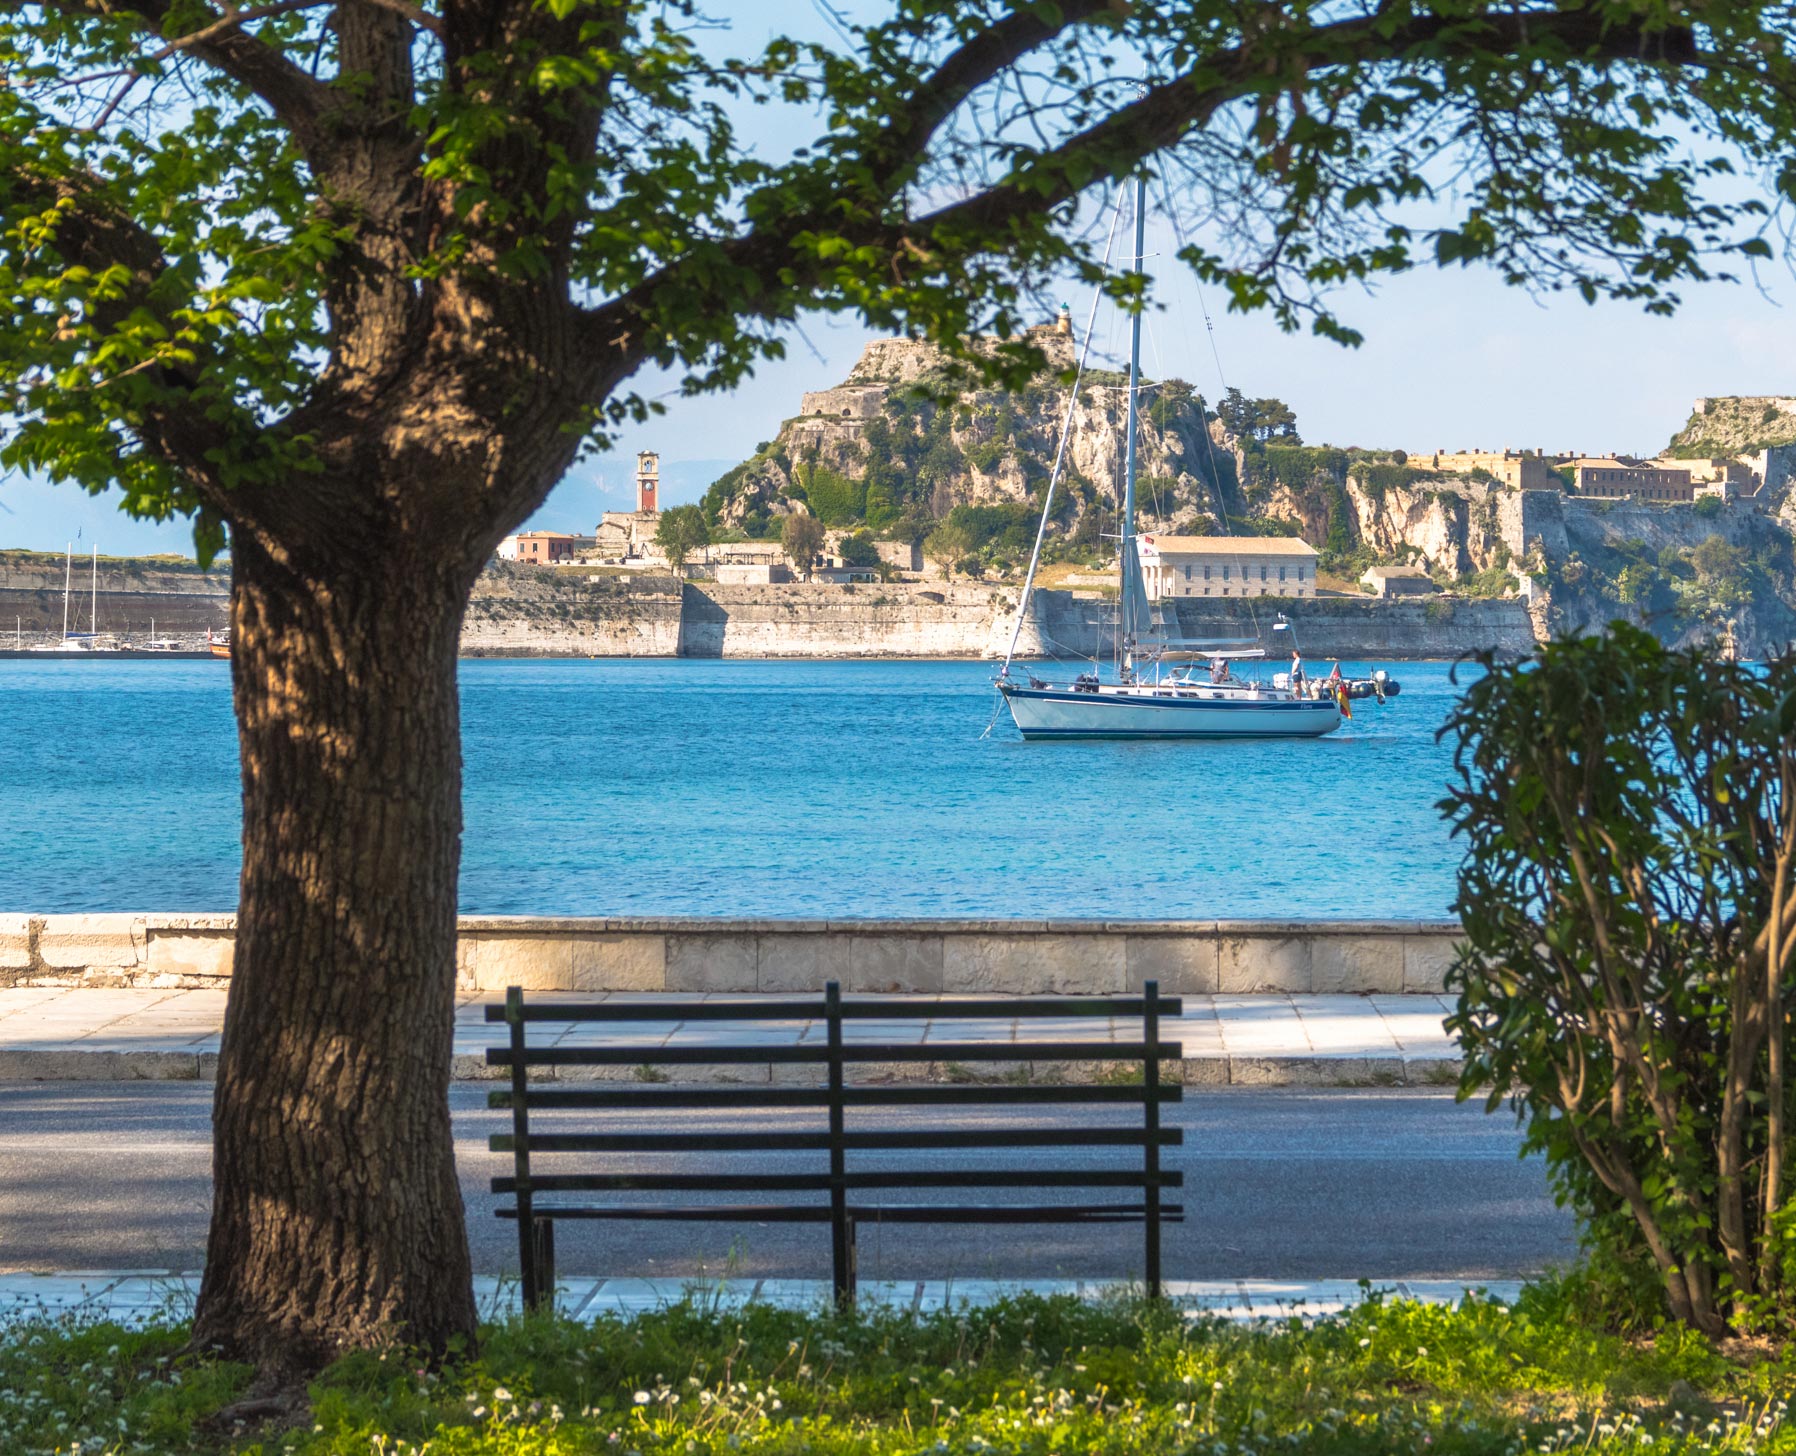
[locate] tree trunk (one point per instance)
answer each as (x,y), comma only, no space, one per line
(337,1218)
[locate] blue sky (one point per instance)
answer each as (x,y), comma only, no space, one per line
(1451,358)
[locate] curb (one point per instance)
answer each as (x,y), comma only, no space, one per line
(146,1296)
(66,1064)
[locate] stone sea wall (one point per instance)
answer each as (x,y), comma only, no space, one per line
(557,614)
(180,600)
(529,612)
(924,957)
(1350,627)
(865,619)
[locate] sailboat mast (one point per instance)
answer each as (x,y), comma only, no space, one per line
(93,606)
(68,577)
(1131,562)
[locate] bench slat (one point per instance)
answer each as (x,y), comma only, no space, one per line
(941,1051)
(882,1008)
(789,1142)
(820,1182)
(750,1096)
(870,1213)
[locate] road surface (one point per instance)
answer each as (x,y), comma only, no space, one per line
(1281,1184)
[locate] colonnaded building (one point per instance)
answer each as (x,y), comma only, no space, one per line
(1227,566)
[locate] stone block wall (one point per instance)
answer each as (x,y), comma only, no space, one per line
(928,957)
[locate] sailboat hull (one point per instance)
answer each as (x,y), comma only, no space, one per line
(1063,713)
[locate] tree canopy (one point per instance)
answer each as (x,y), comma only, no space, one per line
(681,531)
(801,537)
(211,220)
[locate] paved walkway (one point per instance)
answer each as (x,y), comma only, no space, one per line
(83,1034)
(144,1296)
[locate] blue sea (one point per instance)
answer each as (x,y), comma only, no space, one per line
(798,789)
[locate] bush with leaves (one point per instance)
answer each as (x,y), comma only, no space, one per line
(1629,817)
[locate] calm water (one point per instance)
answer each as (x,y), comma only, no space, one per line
(754,788)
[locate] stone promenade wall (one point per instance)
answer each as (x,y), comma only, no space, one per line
(949,957)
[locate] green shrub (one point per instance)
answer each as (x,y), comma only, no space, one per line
(1629,820)
(834,498)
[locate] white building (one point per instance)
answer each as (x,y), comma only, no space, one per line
(1227,566)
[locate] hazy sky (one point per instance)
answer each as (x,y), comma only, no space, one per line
(1451,359)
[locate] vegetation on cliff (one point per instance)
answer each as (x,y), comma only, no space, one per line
(1735,425)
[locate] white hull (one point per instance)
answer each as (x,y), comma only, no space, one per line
(1151,713)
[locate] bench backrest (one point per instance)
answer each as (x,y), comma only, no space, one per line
(832,1054)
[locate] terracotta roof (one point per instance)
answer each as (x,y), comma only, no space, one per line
(1232,546)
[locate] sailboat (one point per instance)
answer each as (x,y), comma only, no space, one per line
(1161,687)
(78,641)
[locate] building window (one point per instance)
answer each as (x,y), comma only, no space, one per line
(1225,574)
(1187,573)
(1262,573)
(1281,573)
(1206,577)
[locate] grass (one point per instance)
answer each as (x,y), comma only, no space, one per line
(1049,1377)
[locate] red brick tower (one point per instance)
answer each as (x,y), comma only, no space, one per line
(648,481)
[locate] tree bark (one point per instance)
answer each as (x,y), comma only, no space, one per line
(337,1217)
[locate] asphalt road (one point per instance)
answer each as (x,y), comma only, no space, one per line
(1279,1184)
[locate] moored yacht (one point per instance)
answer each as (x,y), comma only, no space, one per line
(1161,687)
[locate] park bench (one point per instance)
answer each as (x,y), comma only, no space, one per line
(847,1192)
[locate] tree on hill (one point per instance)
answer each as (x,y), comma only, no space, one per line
(802,538)
(858,549)
(356,281)
(681,531)
(949,546)
(1261,421)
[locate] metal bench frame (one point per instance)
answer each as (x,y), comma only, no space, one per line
(536,1210)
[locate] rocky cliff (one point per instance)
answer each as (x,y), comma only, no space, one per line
(878,451)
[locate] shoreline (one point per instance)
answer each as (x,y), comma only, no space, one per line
(483,655)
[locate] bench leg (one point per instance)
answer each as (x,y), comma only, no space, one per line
(542,1250)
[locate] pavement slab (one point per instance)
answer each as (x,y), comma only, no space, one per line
(89,1034)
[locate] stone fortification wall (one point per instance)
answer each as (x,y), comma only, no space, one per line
(180,599)
(38,613)
(536,612)
(925,957)
(819,619)
(528,611)
(1348,627)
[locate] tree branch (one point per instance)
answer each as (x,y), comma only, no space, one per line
(621,329)
(297,99)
